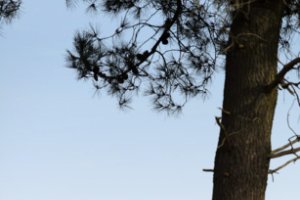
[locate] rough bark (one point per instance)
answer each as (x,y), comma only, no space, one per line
(242,158)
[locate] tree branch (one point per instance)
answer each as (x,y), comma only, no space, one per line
(280,76)
(272,171)
(284,153)
(166,29)
(275,151)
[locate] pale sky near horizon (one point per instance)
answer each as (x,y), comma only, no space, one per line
(59,141)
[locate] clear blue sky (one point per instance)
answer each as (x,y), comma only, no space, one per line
(59,141)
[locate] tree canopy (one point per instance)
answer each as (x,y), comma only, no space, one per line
(171,47)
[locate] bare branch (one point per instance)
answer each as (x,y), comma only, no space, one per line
(284,153)
(275,151)
(280,76)
(272,171)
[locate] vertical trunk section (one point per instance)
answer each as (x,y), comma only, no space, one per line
(242,163)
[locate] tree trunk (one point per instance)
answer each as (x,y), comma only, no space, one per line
(242,157)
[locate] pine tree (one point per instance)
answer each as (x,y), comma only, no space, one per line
(170,52)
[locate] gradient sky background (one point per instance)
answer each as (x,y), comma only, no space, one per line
(59,141)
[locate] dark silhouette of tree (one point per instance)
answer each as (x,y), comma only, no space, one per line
(9,9)
(170,49)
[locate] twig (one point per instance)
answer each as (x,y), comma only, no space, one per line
(227,135)
(208,170)
(272,171)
